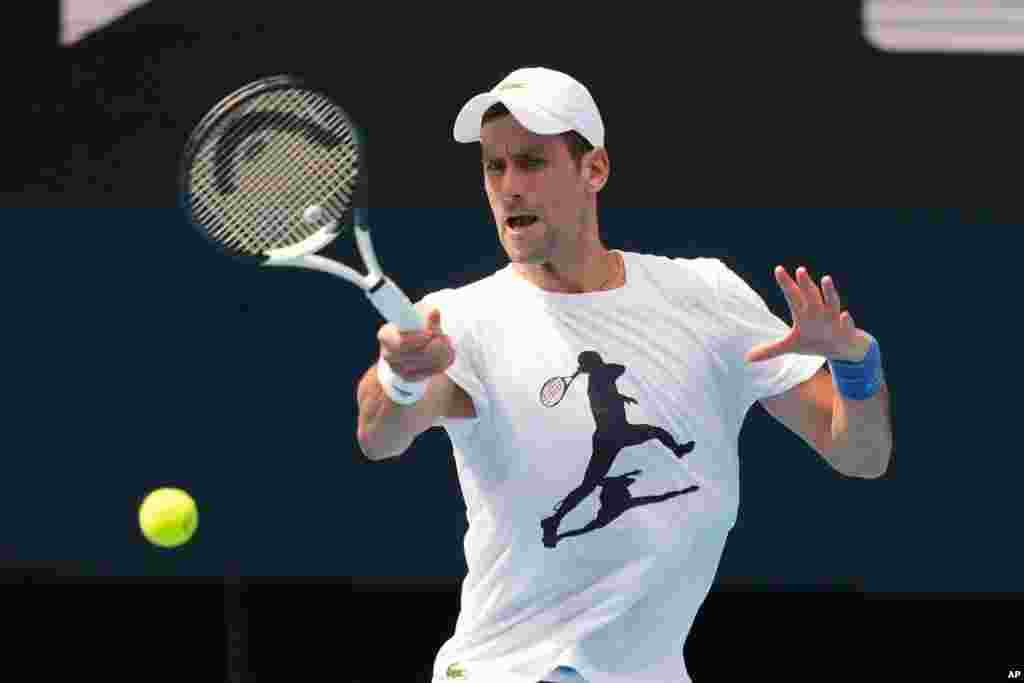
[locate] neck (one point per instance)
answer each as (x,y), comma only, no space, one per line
(592,270)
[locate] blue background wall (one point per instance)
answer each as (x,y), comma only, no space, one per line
(762,140)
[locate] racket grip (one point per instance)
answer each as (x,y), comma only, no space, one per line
(395,306)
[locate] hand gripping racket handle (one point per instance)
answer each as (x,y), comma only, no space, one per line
(395,306)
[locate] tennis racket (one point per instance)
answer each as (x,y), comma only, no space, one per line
(275,172)
(554,389)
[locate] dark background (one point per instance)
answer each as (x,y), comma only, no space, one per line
(138,358)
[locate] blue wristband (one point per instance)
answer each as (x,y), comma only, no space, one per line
(858,381)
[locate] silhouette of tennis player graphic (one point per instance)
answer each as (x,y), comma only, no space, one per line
(613,433)
(616,499)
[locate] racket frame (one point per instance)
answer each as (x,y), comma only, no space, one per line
(390,301)
(566,383)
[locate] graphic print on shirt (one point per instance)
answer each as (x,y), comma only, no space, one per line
(614,432)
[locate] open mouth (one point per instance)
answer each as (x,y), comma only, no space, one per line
(524,221)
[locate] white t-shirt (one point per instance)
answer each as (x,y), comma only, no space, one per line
(648,431)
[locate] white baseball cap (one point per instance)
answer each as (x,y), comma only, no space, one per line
(544,101)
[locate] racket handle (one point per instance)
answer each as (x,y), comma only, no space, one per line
(395,306)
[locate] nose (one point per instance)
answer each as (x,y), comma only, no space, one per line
(511,183)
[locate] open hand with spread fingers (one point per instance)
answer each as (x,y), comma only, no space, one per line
(820,326)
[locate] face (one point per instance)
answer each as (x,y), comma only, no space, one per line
(540,200)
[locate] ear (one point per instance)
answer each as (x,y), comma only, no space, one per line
(595,169)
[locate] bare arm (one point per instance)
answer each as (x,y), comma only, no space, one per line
(861,434)
(854,437)
(386,429)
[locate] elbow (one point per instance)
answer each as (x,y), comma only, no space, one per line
(372,448)
(873,466)
(857,461)
(366,444)
(881,466)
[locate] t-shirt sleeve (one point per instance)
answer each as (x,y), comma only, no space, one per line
(749,322)
(457,321)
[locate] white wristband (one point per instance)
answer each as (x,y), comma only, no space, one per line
(402,392)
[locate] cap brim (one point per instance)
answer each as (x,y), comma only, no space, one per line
(467,123)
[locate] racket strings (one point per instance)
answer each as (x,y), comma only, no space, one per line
(552,391)
(272,157)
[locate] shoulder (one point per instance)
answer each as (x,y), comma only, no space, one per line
(466,308)
(698,278)
(701,267)
(469,295)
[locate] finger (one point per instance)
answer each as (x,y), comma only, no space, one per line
(409,344)
(434,321)
(406,364)
(790,290)
(831,294)
(411,361)
(411,375)
(391,338)
(417,375)
(450,351)
(388,336)
(763,352)
(846,321)
(812,295)
(773,349)
(436,355)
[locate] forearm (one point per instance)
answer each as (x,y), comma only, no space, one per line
(386,429)
(861,443)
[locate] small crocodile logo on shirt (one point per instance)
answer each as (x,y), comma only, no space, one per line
(455,672)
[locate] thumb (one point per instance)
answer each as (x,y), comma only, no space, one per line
(772,349)
(434,320)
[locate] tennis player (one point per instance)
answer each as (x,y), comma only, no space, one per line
(596,525)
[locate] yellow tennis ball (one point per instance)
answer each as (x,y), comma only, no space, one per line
(168,517)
